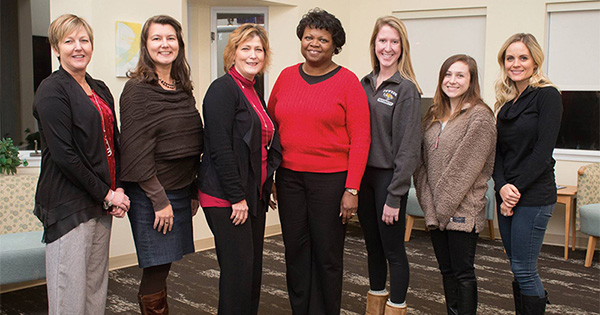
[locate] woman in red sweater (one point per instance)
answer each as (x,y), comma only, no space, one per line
(323,118)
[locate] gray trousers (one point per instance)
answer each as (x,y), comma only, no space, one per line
(77,269)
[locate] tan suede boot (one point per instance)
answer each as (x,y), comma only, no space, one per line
(154,304)
(394,310)
(376,303)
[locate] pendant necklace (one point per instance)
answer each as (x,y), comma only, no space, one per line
(97,105)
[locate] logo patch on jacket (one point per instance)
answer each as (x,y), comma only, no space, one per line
(388,97)
(457,219)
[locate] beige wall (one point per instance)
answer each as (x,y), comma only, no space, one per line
(503,18)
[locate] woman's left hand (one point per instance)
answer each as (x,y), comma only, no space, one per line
(505,210)
(117,212)
(195,206)
(273,199)
(348,207)
(239,213)
(390,215)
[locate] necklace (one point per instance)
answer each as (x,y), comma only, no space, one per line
(167,84)
(260,113)
(97,105)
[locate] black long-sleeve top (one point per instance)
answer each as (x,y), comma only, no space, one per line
(527,133)
(74,177)
(231,164)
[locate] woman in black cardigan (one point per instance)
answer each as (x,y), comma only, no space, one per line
(241,153)
(529,111)
(78,187)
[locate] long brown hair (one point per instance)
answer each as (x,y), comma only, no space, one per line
(145,69)
(441,108)
(404,64)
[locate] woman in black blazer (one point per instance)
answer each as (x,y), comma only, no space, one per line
(78,190)
(241,153)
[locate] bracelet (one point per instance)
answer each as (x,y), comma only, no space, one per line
(108,204)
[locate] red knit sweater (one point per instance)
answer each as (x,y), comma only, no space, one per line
(325,127)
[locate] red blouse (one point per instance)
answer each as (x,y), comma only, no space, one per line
(108,123)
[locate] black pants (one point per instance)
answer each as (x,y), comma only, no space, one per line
(313,235)
(455,253)
(239,252)
(385,243)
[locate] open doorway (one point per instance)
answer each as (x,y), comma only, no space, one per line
(223,22)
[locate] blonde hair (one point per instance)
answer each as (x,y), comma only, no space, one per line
(64,25)
(404,63)
(506,89)
(240,35)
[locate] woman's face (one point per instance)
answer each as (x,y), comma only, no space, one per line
(519,64)
(75,51)
(388,47)
(249,57)
(456,80)
(317,46)
(162,44)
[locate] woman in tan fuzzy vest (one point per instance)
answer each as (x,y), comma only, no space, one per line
(457,159)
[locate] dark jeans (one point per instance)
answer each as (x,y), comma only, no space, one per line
(522,236)
(239,252)
(455,253)
(313,235)
(385,243)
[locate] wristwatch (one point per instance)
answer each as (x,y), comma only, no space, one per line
(353,192)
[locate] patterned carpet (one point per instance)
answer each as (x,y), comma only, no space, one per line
(194,280)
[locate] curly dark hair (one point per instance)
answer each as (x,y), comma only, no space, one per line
(321,19)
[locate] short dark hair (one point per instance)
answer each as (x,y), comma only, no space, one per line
(321,19)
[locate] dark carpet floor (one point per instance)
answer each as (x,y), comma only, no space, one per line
(193,282)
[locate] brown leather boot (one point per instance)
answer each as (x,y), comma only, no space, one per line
(154,304)
(376,303)
(394,310)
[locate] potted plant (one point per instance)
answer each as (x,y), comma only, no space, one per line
(9,157)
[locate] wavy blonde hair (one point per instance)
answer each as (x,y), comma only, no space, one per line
(506,89)
(241,34)
(404,63)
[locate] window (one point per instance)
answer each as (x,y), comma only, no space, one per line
(573,65)
(437,35)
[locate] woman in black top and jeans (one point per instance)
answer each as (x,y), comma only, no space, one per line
(529,111)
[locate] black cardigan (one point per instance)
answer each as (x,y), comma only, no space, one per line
(527,133)
(231,164)
(74,176)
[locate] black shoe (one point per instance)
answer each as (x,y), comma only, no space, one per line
(467,297)
(451,294)
(517,297)
(534,305)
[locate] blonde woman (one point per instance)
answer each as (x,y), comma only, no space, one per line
(78,186)
(241,154)
(529,110)
(394,101)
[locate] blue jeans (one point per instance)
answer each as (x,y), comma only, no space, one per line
(522,236)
